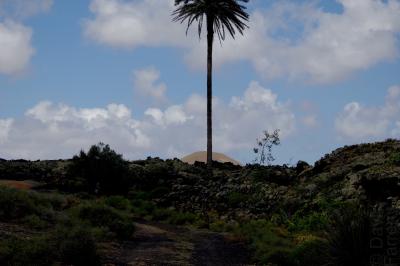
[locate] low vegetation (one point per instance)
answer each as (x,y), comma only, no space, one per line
(288,215)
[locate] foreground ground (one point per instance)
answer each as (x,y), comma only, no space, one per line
(161,244)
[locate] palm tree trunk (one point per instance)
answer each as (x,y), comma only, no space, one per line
(210,39)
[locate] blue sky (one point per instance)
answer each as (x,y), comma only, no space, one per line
(73,73)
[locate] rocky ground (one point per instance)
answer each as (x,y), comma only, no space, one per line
(367,172)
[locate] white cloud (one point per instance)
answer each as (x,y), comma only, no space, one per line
(15,47)
(361,122)
(396,130)
(51,130)
(172,115)
(241,122)
(329,48)
(357,121)
(236,124)
(175,115)
(294,40)
(195,104)
(93,118)
(5,126)
(146,83)
(131,24)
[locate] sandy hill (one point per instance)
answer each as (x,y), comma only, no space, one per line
(201,156)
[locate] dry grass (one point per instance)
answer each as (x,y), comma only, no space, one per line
(23,185)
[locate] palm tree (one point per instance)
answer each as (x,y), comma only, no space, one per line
(221,16)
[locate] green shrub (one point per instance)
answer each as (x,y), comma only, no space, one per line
(158,192)
(74,245)
(270,244)
(280,175)
(118,202)
(218,226)
(101,215)
(58,202)
(158,170)
(77,246)
(156,173)
(16,204)
(234,199)
(310,217)
(280,217)
(349,238)
(395,158)
(222,226)
(314,221)
(142,208)
(160,214)
(33,221)
(181,218)
(310,253)
(301,166)
(35,251)
(139,195)
(100,171)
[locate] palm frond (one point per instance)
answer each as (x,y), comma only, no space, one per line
(226,16)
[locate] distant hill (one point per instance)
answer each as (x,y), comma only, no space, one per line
(201,156)
(367,172)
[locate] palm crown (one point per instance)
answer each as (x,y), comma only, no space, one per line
(223,15)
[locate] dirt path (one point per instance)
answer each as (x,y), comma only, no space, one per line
(159,244)
(217,249)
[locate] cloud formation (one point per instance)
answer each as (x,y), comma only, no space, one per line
(295,40)
(146,83)
(59,130)
(133,24)
(301,42)
(16,48)
(360,122)
(5,125)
